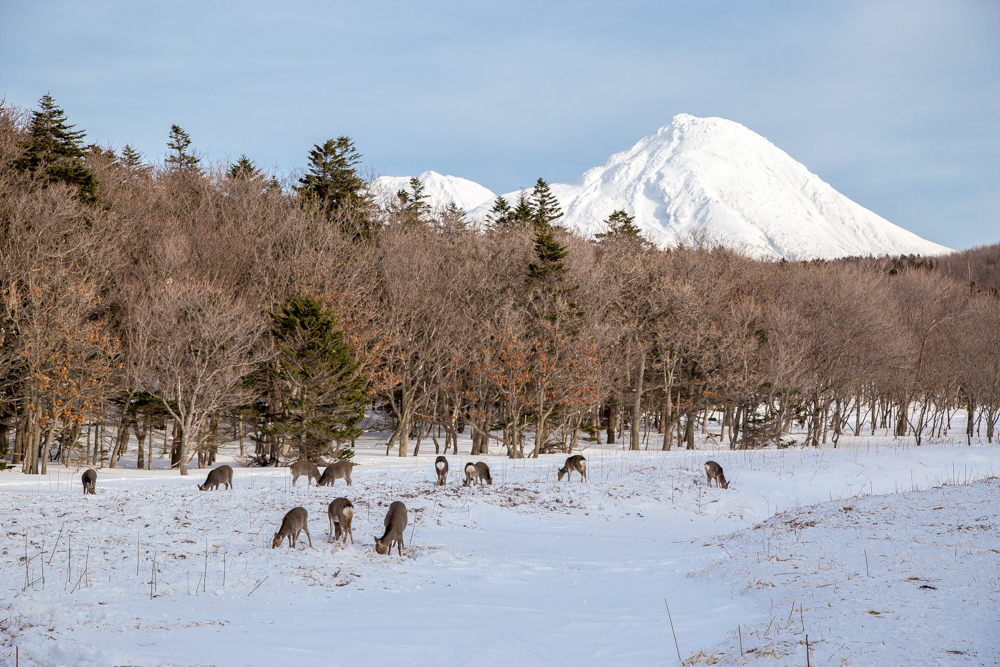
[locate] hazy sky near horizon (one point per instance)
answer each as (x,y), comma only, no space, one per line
(896,104)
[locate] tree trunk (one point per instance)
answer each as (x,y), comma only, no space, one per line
(689,429)
(611,423)
(634,437)
(140,437)
(970,423)
(667,420)
(176,445)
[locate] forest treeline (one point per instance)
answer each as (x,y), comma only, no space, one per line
(184,302)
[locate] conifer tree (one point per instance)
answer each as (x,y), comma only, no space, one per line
(179,159)
(55,151)
(501,214)
(549,268)
(323,394)
(244,168)
(544,205)
(524,213)
(333,183)
(131,158)
(414,203)
(452,218)
(620,226)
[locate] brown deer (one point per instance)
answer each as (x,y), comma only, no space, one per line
(477,472)
(294,523)
(308,468)
(395,526)
(575,463)
(714,471)
(335,472)
(441,466)
(221,475)
(89,481)
(341,511)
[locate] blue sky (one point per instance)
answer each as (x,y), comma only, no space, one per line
(895,104)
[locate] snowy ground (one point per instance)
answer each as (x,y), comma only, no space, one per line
(526,571)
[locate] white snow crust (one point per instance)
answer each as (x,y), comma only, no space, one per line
(528,571)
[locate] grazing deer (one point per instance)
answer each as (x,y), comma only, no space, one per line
(335,472)
(308,468)
(395,526)
(477,472)
(89,481)
(575,463)
(294,522)
(441,465)
(341,511)
(221,475)
(714,471)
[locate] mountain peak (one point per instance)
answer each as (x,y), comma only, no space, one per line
(709,177)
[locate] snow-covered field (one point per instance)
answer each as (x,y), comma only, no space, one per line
(889,553)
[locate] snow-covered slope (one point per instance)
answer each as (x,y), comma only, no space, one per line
(714,176)
(441,190)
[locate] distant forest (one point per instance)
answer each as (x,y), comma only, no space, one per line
(188,303)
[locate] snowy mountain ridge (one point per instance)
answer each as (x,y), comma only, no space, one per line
(710,177)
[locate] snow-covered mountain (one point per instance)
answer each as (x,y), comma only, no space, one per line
(440,190)
(714,177)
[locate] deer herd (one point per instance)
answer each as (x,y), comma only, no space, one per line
(341,511)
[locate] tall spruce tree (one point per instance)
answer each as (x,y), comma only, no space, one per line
(549,268)
(55,151)
(244,168)
(332,183)
(500,214)
(620,225)
(131,160)
(179,157)
(523,213)
(414,203)
(544,205)
(322,393)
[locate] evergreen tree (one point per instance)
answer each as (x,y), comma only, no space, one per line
(620,226)
(132,159)
(544,205)
(501,214)
(550,268)
(333,183)
(179,159)
(131,165)
(244,168)
(323,395)
(524,213)
(452,218)
(55,151)
(414,204)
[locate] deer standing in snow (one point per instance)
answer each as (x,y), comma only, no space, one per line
(441,466)
(341,512)
(300,468)
(294,523)
(335,472)
(89,481)
(575,463)
(395,526)
(477,472)
(221,475)
(714,471)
